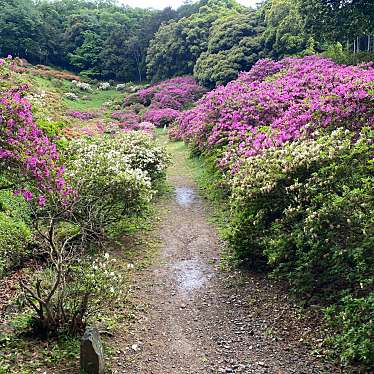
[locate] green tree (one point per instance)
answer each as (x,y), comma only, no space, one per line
(178,44)
(340,20)
(234,45)
(285,33)
(20,30)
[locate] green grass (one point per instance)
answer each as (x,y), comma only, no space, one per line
(95,100)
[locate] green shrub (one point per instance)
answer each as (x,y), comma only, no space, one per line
(336,53)
(115,178)
(72,293)
(15,233)
(354,317)
(306,210)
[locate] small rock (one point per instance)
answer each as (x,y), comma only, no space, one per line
(92,352)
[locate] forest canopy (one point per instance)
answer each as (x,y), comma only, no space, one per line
(212,39)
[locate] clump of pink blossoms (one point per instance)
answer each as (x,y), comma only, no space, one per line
(278,102)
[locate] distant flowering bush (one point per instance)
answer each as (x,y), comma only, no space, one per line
(127,117)
(146,127)
(161,117)
(121,86)
(71,96)
(129,87)
(103,86)
(174,93)
(84,116)
(82,86)
(249,114)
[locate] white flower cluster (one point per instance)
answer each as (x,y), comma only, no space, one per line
(82,86)
(128,87)
(71,96)
(120,169)
(261,174)
(103,86)
(121,87)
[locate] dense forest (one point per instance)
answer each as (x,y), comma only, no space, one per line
(212,39)
(193,187)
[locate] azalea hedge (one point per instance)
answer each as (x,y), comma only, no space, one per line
(292,142)
(163,102)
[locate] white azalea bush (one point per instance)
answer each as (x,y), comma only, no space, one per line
(295,207)
(305,211)
(114,179)
(114,176)
(103,86)
(82,86)
(87,288)
(71,96)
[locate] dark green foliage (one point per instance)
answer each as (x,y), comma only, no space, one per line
(97,38)
(20,29)
(285,33)
(341,56)
(339,20)
(178,44)
(15,233)
(234,45)
(354,318)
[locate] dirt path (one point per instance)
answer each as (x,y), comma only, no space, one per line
(200,319)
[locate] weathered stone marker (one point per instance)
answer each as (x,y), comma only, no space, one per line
(92,352)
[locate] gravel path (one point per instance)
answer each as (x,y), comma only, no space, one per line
(200,319)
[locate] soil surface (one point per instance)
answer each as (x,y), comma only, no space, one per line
(201,319)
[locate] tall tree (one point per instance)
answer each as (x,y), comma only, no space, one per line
(234,45)
(178,44)
(20,30)
(285,33)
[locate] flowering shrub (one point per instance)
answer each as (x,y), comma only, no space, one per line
(88,287)
(84,116)
(127,117)
(26,153)
(161,117)
(260,110)
(292,142)
(103,86)
(71,96)
(308,206)
(174,93)
(146,127)
(82,86)
(114,175)
(129,87)
(354,317)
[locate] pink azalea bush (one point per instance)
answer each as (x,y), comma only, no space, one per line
(278,102)
(147,127)
(26,152)
(127,117)
(173,93)
(84,116)
(161,117)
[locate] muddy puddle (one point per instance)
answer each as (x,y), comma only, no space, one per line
(185,196)
(190,275)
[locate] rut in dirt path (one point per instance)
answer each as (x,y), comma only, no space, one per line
(200,319)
